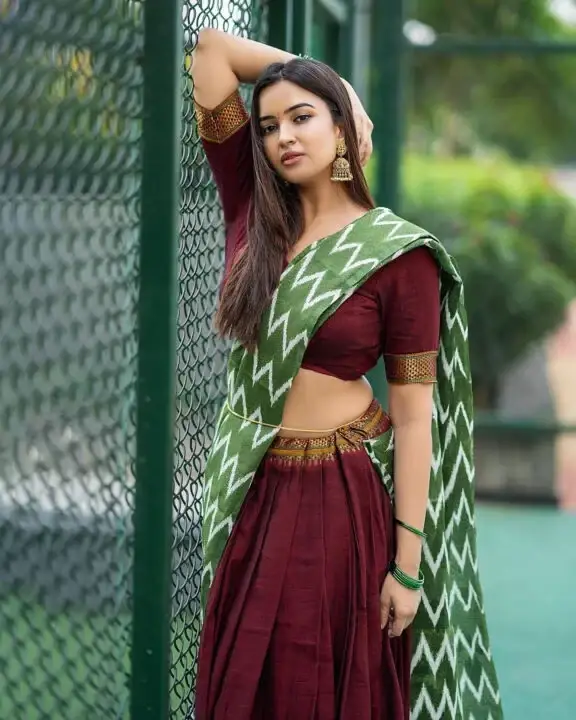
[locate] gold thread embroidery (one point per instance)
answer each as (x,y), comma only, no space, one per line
(219,124)
(412,367)
(348,438)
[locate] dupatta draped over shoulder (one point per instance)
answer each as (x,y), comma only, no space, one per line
(452,670)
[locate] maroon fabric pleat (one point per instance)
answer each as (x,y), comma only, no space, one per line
(292,625)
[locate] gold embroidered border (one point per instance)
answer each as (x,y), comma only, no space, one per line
(349,438)
(412,367)
(219,124)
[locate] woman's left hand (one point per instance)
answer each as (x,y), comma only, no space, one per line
(364,126)
(398,606)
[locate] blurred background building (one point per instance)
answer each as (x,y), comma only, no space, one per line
(111,376)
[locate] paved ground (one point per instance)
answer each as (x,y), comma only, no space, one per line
(528,565)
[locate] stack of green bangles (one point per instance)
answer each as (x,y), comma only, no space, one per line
(406,580)
(399,575)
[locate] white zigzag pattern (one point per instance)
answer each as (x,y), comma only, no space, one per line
(461,460)
(435,507)
(448,418)
(456,319)
(472,647)
(447,650)
(435,562)
(447,704)
(451,422)
(462,508)
(447,603)
(356,249)
(282,322)
(316,280)
(478,692)
(466,553)
(267,371)
(434,614)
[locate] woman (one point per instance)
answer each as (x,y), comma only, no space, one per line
(313,526)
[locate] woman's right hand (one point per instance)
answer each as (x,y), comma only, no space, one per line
(364,126)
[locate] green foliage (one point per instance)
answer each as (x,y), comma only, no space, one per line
(521,103)
(512,234)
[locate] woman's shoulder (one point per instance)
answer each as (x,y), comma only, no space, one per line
(417,263)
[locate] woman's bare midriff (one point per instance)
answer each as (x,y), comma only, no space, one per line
(318,403)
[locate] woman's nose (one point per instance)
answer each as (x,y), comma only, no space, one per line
(285,135)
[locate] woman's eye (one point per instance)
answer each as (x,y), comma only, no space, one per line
(267,129)
(302,118)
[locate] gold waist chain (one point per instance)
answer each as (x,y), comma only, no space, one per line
(289,429)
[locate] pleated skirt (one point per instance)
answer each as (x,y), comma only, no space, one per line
(292,624)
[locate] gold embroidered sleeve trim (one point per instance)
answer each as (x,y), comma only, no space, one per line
(411,368)
(219,124)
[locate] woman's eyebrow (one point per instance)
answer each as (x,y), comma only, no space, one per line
(292,107)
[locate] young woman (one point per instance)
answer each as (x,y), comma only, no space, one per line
(316,498)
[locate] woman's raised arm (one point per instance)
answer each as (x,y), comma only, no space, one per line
(220,62)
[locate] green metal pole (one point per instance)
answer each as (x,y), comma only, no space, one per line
(494,46)
(386,105)
(290,25)
(346,49)
(386,109)
(279,22)
(157,313)
(302,26)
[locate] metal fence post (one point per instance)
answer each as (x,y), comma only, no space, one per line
(280,24)
(157,315)
(386,108)
(386,98)
(302,26)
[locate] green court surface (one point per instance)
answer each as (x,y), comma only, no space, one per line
(528,566)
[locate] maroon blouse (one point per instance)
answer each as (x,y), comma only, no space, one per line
(395,313)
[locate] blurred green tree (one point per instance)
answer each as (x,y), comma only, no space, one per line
(469,103)
(512,234)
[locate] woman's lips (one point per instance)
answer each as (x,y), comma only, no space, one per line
(292,159)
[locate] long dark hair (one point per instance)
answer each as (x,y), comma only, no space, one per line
(275,219)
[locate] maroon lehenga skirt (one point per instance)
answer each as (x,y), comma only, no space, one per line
(292,625)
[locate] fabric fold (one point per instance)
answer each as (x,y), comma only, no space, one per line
(292,626)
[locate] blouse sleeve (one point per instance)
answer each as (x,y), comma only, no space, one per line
(227,141)
(410,299)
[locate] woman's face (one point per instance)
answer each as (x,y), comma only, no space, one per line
(298,133)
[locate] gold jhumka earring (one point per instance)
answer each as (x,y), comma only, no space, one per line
(341,166)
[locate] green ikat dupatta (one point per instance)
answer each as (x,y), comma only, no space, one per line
(453,675)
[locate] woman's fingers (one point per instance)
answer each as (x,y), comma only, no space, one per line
(366,150)
(398,606)
(364,130)
(400,621)
(384,610)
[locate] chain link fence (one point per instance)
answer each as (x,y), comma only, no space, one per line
(69,219)
(201,355)
(70,176)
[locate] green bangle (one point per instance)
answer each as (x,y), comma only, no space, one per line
(414,530)
(406,580)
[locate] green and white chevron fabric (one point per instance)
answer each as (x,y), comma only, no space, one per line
(453,675)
